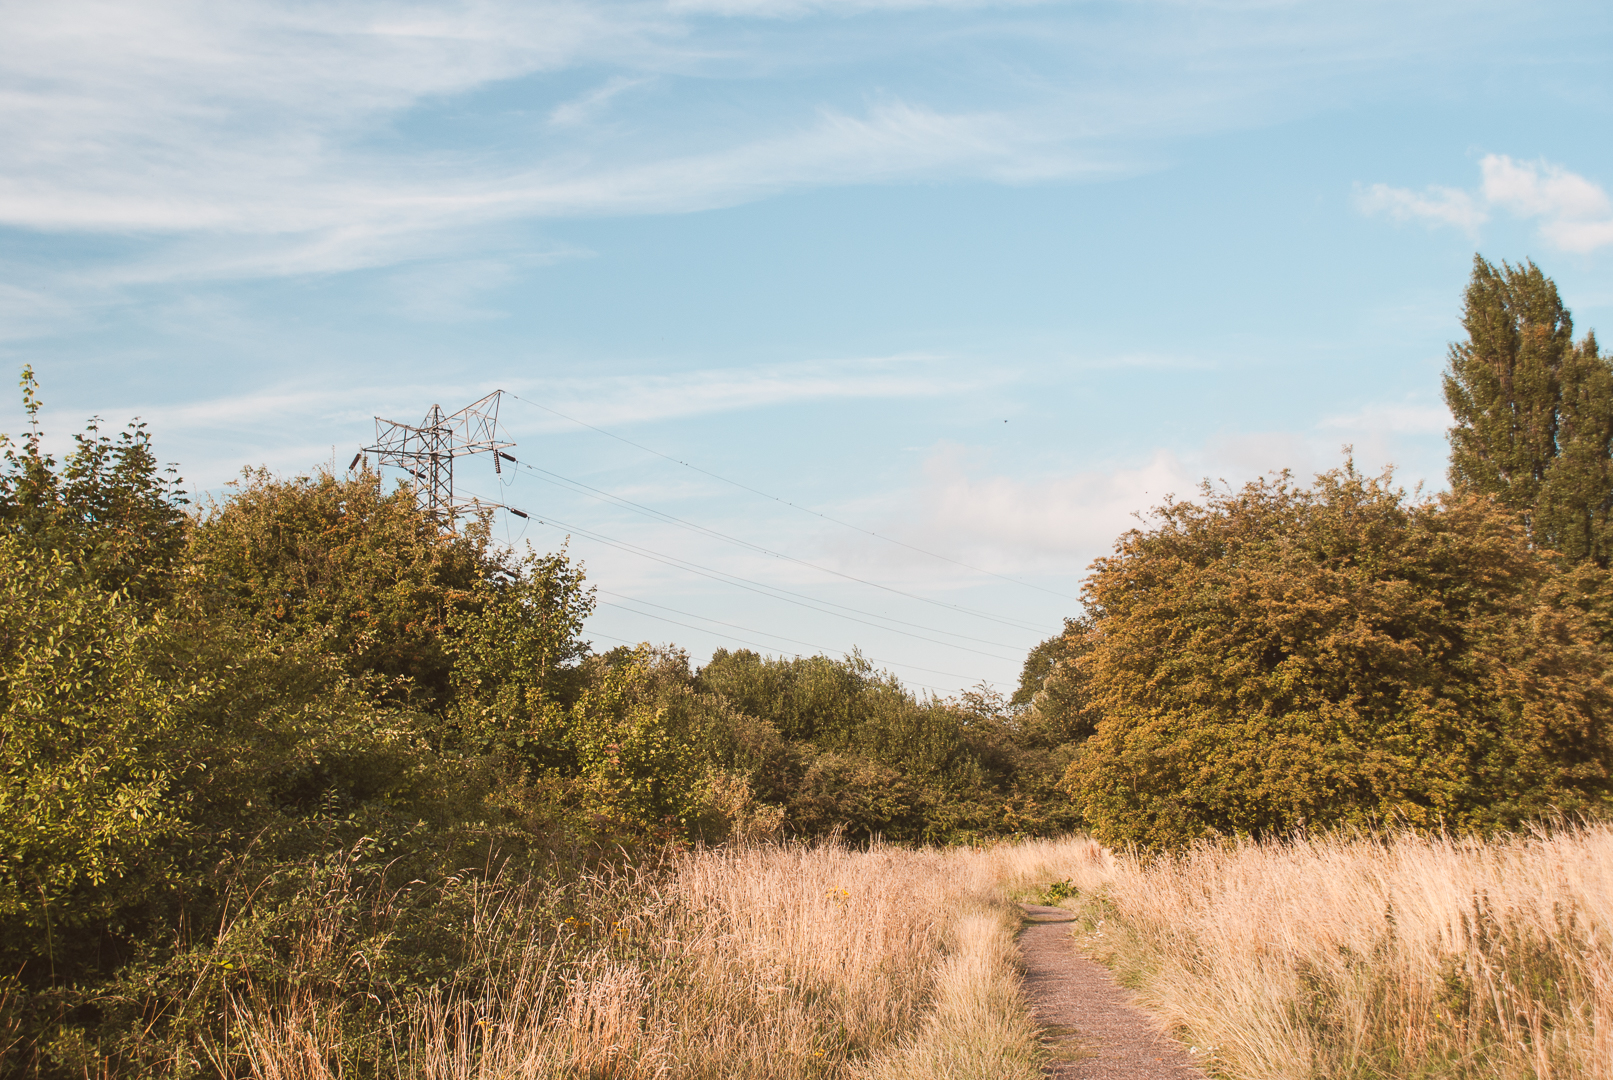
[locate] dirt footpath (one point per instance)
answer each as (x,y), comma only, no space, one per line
(1095,1031)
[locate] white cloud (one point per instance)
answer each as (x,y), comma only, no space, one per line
(256,225)
(1575,213)
(587,107)
(1014,523)
(1536,189)
(1439,205)
(1077,514)
(783,9)
(456,290)
(24,312)
(1392,419)
(260,120)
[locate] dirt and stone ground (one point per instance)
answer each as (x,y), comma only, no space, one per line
(1095,1032)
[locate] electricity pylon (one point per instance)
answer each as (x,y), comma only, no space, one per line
(427,451)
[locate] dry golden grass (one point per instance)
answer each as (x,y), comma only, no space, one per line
(1403,956)
(765,962)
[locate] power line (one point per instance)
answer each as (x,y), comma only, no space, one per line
(771,591)
(562,481)
(786,502)
(775,592)
(750,630)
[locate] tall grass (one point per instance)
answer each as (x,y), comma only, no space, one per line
(765,962)
(1341,957)
(1394,956)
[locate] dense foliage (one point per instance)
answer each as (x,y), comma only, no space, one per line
(1533,411)
(1278,656)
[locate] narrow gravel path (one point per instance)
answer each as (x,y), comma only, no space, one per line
(1095,1031)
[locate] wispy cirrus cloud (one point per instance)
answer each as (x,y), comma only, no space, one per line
(358,222)
(265,138)
(1574,212)
(264,120)
(627,399)
(587,107)
(786,9)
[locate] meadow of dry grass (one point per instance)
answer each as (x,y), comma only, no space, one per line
(767,962)
(1398,956)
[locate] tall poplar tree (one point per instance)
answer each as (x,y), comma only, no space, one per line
(1533,410)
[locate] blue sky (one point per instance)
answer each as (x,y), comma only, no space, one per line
(983,279)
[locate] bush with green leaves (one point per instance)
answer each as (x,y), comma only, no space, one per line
(1279,656)
(90,808)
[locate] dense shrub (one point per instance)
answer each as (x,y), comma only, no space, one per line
(1282,656)
(214,718)
(341,563)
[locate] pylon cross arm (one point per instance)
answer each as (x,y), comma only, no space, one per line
(427,451)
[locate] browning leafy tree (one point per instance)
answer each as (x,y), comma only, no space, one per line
(1282,656)
(1533,411)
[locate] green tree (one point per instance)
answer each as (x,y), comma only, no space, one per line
(108,507)
(339,562)
(866,756)
(1039,663)
(514,642)
(1533,411)
(1282,656)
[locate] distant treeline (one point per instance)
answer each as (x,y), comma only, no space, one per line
(208,710)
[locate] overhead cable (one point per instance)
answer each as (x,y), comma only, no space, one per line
(795,506)
(563,481)
(789,597)
(812,602)
(764,633)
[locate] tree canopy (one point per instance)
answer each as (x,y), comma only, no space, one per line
(1282,656)
(1533,411)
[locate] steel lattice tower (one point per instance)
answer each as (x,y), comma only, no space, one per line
(427,452)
